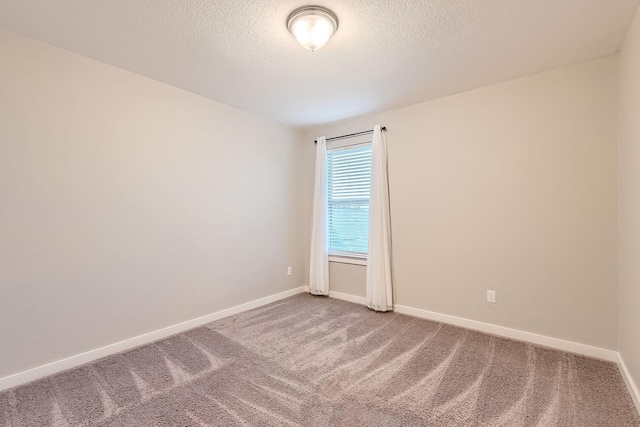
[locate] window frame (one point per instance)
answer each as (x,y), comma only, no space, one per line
(346,257)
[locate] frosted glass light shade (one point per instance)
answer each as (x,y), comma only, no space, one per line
(312,26)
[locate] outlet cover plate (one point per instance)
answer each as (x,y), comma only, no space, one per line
(491,297)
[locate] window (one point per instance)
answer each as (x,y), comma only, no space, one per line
(349,186)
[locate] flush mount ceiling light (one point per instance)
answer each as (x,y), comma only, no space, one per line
(312,26)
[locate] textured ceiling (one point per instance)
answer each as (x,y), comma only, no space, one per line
(386,53)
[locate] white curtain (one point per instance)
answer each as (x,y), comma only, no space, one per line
(379,277)
(319,268)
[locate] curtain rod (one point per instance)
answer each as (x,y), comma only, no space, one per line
(335,138)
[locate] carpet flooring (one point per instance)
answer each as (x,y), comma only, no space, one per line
(316,361)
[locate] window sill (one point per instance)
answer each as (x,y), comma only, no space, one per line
(348,259)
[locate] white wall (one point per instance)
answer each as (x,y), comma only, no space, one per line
(127,205)
(511,187)
(629,201)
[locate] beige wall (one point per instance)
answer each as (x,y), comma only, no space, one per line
(348,278)
(511,187)
(629,201)
(127,205)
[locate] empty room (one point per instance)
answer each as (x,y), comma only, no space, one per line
(344,213)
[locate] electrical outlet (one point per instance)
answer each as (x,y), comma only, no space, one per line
(288,271)
(491,297)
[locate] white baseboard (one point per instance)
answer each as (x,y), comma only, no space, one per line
(344,297)
(348,297)
(91,355)
(573,347)
(631,385)
(586,350)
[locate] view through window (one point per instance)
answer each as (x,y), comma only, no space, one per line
(349,187)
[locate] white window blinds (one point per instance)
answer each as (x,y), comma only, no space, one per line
(349,186)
